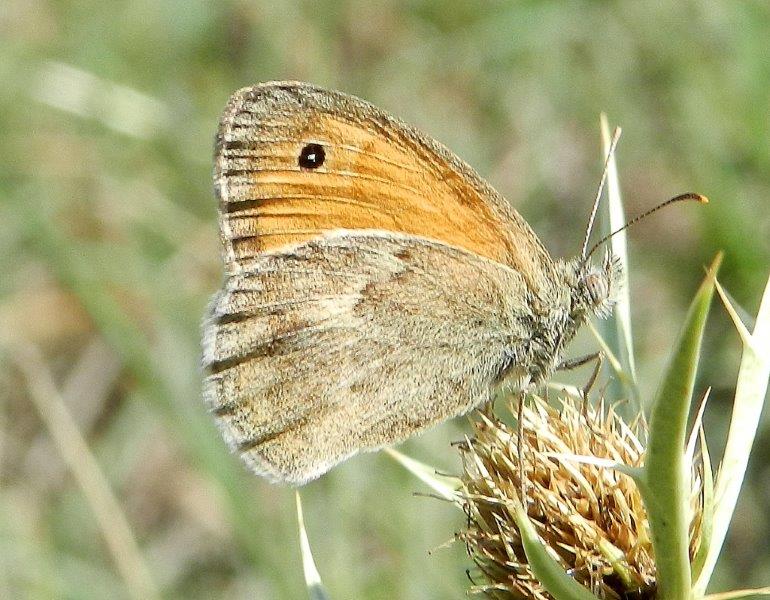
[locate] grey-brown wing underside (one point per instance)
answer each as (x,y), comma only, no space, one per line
(352,342)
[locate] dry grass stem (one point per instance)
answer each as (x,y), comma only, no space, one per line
(96,489)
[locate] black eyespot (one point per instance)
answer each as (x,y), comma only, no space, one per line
(312,156)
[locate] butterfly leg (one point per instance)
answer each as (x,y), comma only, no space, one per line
(587,389)
(574,363)
(598,359)
(520,399)
(520,446)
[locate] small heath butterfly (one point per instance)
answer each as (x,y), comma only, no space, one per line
(375,284)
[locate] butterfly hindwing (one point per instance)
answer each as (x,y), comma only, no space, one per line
(351,342)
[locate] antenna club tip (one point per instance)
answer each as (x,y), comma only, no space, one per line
(692,196)
(681,197)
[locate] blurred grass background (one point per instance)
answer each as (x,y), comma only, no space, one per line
(109,254)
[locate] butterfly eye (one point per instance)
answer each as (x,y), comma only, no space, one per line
(312,156)
(597,288)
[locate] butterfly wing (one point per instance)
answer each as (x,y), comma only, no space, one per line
(378,173)
(351,342)
(380,291)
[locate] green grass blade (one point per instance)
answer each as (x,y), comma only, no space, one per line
(446,487)
(739,594)
(664,489)
(707,519)
(620,374)
(547,571)
(315,588)
(618,328)
(750,391)
(697,427)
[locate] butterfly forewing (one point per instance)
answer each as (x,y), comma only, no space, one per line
(377,174)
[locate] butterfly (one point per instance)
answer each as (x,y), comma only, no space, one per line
(375,284)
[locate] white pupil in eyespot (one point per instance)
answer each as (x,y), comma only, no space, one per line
(312,156)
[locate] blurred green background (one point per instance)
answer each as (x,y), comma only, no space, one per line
(109,250)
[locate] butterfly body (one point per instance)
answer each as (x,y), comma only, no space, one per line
(374,284)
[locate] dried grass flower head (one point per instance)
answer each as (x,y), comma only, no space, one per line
(590,517)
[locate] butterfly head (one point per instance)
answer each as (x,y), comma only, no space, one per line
(594,287)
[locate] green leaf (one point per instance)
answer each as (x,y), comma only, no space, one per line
(547,570)
(750,391)
(664,484)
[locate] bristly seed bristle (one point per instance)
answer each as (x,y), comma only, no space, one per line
(591,518)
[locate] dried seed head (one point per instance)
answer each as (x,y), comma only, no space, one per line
(591,518)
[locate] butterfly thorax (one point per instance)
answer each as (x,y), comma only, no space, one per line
(580,291)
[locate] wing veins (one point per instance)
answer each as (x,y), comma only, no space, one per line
(233,205)
(257,310)
(320,171)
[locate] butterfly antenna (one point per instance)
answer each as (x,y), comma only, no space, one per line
(592,218)
(644,215)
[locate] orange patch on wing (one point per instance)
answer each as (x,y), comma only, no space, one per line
(377,174)
(365,182)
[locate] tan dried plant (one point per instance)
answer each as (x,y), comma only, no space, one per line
(590,516)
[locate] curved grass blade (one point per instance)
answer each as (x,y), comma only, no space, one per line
(664,483)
